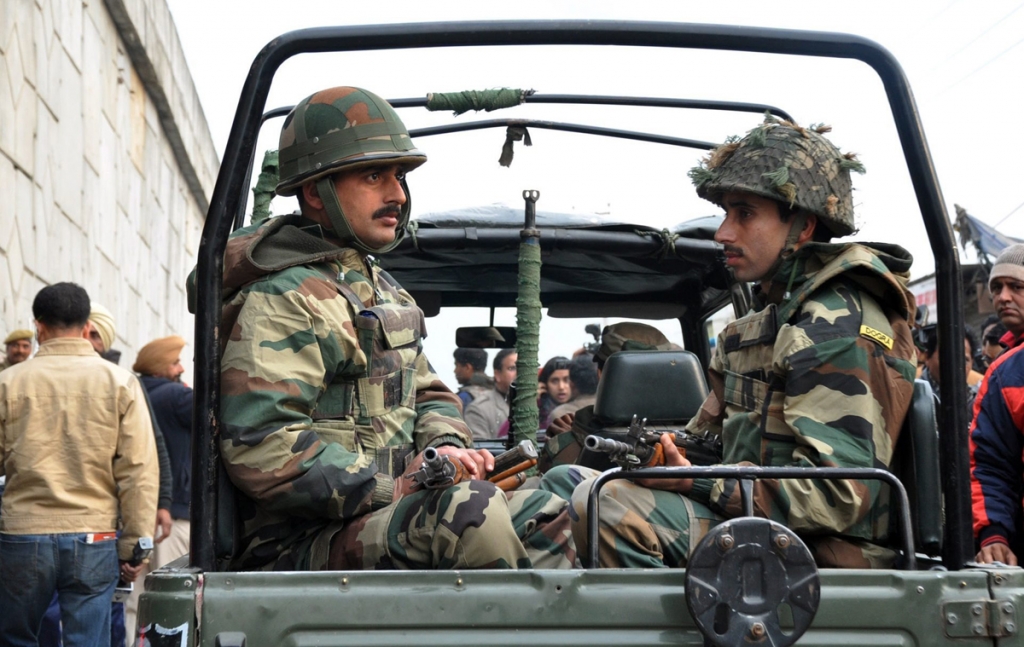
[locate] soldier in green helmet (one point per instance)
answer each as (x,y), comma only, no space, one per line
(819,374)
(327,399)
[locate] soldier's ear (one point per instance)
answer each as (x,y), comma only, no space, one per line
(311,197)
(807,233)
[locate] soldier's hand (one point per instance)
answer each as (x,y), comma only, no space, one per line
(997,552)
(476,461)
(672,459)
(561,424)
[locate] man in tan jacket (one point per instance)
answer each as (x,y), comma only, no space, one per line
(76,445)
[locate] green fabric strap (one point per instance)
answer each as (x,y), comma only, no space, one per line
(342,229)
(526,417)
(329,195)
(263,192)
(776,293)
(513,134)
(460,102)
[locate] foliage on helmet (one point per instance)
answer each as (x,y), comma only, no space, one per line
(786,162)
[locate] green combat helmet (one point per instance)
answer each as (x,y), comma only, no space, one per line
(338,129)
(630,335)
(782,161)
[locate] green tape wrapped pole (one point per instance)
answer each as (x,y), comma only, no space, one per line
(525,416)
(263,192)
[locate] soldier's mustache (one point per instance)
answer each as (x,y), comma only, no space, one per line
(732,249)
(389,210)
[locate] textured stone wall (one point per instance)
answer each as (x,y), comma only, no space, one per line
(106,162)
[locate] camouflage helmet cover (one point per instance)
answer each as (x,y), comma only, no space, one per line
(783,161)
(630,335)
(341,127)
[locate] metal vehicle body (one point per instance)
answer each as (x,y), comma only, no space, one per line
(194,603)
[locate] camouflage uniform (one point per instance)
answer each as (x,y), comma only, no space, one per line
(326,396)
(820,375)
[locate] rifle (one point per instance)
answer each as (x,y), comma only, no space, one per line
(439,471)
(509,467)
(642,447)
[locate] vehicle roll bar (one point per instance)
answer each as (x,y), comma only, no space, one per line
(245,130)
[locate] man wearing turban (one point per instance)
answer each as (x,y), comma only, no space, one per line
(159,367)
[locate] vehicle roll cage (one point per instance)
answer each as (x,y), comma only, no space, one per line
(232,182)
(572,99)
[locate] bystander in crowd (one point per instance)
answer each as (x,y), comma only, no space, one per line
(997,431)
(17,348)
(487,415)
(77,444)
(471,374)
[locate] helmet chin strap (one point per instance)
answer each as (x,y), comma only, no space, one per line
(778,292)
(329,195)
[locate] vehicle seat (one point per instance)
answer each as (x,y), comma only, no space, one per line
(666,387)
(916,463)
(660,385)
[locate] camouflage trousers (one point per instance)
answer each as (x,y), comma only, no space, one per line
(638,527)
(470,525)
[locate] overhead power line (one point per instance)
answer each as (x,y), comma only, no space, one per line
(982,66)
(1015,209)
(979,36)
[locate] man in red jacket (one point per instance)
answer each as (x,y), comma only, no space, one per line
(997,432)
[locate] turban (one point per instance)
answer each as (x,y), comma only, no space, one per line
(18,335)
(158,355)
(103,322)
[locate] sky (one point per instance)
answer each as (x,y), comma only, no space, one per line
(963,60)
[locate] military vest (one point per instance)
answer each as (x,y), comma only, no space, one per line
(388,381)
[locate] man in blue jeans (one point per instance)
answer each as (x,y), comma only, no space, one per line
(76,445)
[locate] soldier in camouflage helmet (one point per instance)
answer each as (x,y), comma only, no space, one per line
(327,398)
(820,374)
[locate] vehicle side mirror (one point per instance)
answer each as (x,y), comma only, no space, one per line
(486,337)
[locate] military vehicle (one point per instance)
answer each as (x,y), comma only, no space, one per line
(752,585)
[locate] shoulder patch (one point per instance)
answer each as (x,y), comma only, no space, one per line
(878,336)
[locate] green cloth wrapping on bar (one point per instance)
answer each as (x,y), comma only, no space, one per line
(525,417)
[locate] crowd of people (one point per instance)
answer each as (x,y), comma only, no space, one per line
(96,469)
(563,386)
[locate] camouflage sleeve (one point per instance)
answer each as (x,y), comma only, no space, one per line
(438,411)
(837,398)
(709,418)
(273,370)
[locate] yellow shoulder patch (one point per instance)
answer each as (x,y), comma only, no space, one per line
(877,335)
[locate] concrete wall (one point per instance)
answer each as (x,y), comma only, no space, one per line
(106,162)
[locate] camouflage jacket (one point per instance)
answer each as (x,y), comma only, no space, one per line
(325,391)
(822,378)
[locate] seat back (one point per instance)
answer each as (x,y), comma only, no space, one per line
(662,386)
(916,463)
(665,387)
